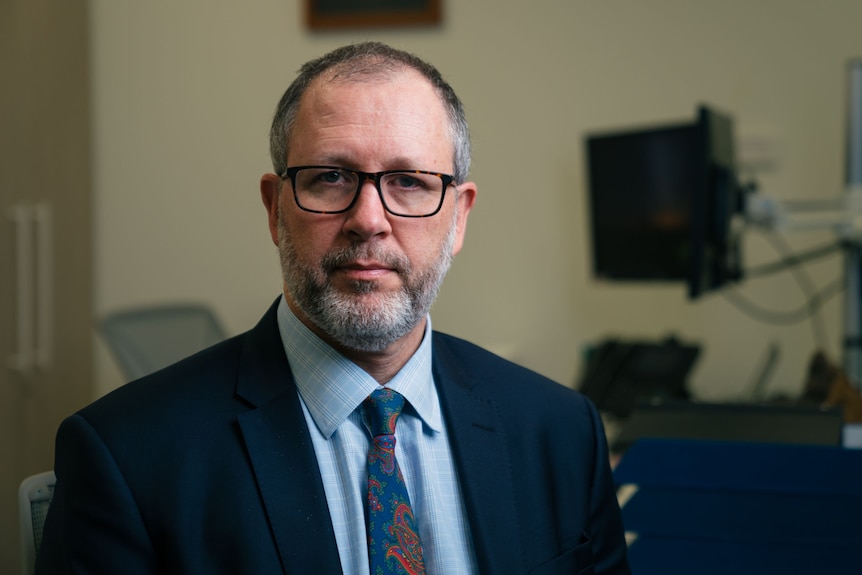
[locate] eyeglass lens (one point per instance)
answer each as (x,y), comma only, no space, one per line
(333,190)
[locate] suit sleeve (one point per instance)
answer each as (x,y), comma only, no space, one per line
(93,525)
(609,545)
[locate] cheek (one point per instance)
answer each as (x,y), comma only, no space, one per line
(311,248)
(422,245)
(310,239)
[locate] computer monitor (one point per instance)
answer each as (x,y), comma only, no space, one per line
(662,203)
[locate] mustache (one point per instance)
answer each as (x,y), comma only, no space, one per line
(338,257)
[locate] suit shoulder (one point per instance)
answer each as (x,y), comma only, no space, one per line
(469,353)
(479,365)
(207,373)
(524,399)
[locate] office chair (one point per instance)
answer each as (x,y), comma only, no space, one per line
(143,340)
(34,496)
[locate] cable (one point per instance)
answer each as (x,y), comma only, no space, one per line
(793,260)
(785,317)
(803,279)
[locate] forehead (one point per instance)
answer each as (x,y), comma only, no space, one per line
(393,113)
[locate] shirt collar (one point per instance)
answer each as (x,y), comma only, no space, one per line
(332,386)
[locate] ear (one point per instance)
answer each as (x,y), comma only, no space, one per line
(270,193)
(465,199)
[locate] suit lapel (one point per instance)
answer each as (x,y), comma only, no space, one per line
(482,457)
(282,455)
(285,465)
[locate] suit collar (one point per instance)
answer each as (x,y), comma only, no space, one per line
(287,477)
(482,457)
(263,372)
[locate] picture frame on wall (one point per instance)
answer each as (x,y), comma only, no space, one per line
(334,14)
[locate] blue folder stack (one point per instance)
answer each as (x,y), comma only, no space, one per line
(704,507)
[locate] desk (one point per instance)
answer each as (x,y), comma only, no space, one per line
(796,424)
(711,507)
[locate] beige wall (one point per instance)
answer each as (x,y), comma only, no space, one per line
(184,91)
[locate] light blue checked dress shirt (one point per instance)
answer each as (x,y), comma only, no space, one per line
(331,391)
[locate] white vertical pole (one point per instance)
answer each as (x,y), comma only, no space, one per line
(853,258)
(23,359)
(44,292)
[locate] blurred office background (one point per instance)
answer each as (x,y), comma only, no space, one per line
(181,94)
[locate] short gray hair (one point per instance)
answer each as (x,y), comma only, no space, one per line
(364,61)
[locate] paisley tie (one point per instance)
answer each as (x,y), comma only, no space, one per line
(393,540)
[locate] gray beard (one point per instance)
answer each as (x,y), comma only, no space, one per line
(365,318)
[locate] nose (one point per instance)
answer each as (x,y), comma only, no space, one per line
(367,217)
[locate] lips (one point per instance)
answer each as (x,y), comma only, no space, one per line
(358,261)
(366,266)
(367,272)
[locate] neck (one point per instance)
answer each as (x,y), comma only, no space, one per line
(384,365)
(381,365)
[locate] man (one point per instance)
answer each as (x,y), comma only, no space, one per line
(255,456)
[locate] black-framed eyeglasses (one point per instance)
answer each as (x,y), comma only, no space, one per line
(333,190)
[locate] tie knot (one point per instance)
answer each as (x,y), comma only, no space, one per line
(383,407)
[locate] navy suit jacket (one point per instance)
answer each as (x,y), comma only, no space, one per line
(206,467)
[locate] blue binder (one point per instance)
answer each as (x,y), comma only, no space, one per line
(707,507)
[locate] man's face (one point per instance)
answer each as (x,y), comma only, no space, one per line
(366,278)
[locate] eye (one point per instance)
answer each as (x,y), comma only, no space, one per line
(330,177)
(405,182)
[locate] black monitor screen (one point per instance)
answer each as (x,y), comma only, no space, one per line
(661,204)
(641,203)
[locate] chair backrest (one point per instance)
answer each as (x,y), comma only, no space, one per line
(146,339)
(34,496)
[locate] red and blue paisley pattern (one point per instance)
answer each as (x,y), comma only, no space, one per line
(393,540)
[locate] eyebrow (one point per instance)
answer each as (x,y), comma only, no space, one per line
(340,161)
